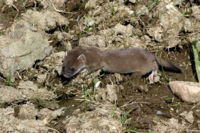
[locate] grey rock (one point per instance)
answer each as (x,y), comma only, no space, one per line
(27,111)
(9,94)
(21,47)
(188,116)
(93,40)
(119,36)
(9,123)
(109,93)
(54,62)
(26,90)
(30,91)
(98,121)
(41,78)
(187,91)
(171,21)
(169,126)
(45,20)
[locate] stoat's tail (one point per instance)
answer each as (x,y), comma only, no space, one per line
(167,65)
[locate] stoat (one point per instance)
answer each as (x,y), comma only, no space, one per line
(115,61)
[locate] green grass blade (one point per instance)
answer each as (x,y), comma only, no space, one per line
(196,59)
(134,131)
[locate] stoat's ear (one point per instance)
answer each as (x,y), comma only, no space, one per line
(82,58)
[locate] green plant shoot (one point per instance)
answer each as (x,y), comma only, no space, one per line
(196,59)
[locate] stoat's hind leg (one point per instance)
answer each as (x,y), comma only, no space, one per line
(154,77)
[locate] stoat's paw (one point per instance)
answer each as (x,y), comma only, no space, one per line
(154,77)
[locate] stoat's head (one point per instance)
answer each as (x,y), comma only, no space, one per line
(73,63)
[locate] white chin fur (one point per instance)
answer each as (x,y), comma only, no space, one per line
(80,69)
(66,76)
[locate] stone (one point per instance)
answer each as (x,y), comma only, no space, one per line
(9,3)
(119,36)
(93,40)
(187,91)
(112,93)
(171,20)
(196,12)
(91,4)
(7,120)
(31,91)
(26,90)
(21,47)
(142,10)
(54,62)
(41,78)
(63,36)
(52,5)
(48,115)
(27,111)
(9,94)
(106,12)
(9,123)
(169,126)
(32,126)
(99,120)
(45,20)
(120,29)
(188,116)
(109,93)
(156,33)
(27,85)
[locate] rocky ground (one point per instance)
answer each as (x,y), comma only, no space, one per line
(34,35)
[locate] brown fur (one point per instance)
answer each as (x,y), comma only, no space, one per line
(116,61)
